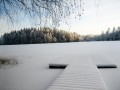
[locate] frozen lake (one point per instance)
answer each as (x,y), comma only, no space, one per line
(33,72)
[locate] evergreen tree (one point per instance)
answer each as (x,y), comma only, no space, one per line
(42,35)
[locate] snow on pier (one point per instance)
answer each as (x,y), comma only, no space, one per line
(99,60)
(81,73)
(79,77)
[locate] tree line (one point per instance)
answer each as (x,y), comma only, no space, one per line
(109,35)
(42,35)
(48,35)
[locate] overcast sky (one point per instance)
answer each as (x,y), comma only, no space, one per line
(98,16)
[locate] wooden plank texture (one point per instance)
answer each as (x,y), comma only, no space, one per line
(79,77)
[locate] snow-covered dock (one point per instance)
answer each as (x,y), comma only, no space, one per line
(99,60)
(79,77)
(81,72)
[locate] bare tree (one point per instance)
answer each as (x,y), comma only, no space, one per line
(51,10)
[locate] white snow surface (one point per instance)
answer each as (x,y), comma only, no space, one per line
(79,77)
(33,73)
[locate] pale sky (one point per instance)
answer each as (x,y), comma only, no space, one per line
(98,16)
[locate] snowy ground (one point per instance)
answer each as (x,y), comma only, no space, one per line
(33,73)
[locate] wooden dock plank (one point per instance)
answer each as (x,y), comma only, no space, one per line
(99,60)
(79,77)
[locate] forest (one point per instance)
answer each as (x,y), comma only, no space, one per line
(48,35)
(42,35)
(109,35)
